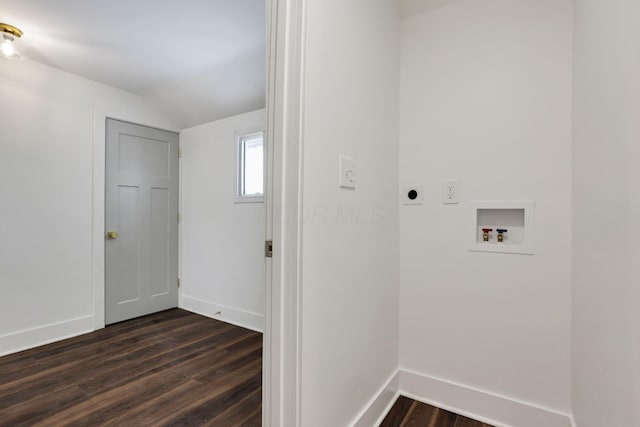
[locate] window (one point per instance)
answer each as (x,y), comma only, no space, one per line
(250,176)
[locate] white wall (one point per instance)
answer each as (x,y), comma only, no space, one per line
(606,208)
(223,264)
(349,237)
(486,100)
(46,196)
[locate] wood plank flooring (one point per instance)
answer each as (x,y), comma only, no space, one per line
(172,368)
(409,413)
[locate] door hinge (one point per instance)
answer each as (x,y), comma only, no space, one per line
(268,248)
(178,282)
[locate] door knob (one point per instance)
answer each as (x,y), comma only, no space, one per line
(112,235)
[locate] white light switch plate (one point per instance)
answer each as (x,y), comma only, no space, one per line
(347,168)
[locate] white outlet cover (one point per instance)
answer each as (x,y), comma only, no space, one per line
(347,169)
(450,192)
(413,195)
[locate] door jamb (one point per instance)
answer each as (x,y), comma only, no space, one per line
(285,96)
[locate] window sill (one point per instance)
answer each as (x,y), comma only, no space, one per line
(249,199)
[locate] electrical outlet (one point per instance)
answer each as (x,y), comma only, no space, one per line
(347,168)
(413,195)
(450,192)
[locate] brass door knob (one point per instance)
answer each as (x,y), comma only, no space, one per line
(112,235)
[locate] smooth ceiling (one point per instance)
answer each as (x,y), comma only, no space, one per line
(201,60)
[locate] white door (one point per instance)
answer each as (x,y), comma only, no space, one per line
(141,221)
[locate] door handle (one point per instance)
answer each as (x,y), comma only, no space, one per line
(112,235)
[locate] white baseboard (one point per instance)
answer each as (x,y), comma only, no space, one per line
(35,337)
(470,402)
(478,404)
(375,411)
(235,316)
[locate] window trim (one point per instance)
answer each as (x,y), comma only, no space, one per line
(242,136)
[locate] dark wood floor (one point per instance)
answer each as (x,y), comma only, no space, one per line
(409,413)
(168,369)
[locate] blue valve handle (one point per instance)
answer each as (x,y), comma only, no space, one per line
(501,230)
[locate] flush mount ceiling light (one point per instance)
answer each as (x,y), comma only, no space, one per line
(11,45)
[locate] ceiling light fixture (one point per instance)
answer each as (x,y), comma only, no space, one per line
(11,45)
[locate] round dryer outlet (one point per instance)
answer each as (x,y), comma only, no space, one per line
(412,195)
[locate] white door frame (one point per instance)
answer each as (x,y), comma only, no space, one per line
(282,351)
(100,115)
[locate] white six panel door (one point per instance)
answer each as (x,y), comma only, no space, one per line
(141,221)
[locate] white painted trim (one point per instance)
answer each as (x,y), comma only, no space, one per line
(235,316)
(285,100)
(100,115)
(181,215)
(471,402)
(269,412)
(478,404)
(35,337)
(380,404)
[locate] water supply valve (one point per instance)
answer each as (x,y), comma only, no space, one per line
(501,232)
(485,234)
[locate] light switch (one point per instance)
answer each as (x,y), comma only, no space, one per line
(347,168)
